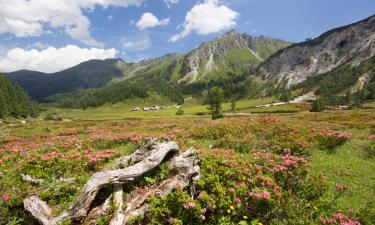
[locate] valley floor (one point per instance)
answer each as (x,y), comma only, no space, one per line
(328,162)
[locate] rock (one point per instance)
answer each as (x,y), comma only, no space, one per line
(292,65)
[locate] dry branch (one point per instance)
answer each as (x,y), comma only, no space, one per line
(182,169)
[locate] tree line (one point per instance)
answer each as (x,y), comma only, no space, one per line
(14,101)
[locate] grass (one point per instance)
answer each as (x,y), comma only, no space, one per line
(349,166)
(122,110)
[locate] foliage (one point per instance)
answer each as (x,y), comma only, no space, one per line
(14,101)
(329,139)
(286,96)
(318,106)
(180,112)
(254,169)
(214,99)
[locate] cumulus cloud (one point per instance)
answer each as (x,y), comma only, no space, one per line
(149,20)
(29,18)
(170,2)
(51,59)
(206,18)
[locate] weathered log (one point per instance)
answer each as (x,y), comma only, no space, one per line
(31,179)
(118,218)
(79,210)
(182,170)
(135,157)
(98,211)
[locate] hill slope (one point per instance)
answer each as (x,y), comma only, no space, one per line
(90,74)
(350,44)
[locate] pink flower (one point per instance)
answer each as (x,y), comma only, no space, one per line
(5,197)
(266,195)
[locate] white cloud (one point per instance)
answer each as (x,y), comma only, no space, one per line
(51,59)
(149,20)
(29,18)
(37,45)
(206,18)
(136,43)
(170,2)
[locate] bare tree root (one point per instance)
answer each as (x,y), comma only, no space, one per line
(182,169)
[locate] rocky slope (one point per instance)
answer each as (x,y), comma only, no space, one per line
(231,52)
(350,44)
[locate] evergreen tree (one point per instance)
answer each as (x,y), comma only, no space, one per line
(348,96)
(14,101)
(3,105)
(233,104)
(214,99)
(318,106)
(286,96)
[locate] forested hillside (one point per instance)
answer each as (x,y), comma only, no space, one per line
(14,101)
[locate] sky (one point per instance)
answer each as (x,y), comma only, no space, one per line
(52,35)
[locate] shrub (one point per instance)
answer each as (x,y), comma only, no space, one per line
(180,112)
(317,106)
(329,139)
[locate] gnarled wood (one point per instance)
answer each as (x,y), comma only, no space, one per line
(98,211)
(97,181)
(182,170)
(118,218)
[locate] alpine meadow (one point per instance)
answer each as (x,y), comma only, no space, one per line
(171,112)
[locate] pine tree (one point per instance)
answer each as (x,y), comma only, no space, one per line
(214,99)
(3,105)
(318,106)
(348,96)
(233,104)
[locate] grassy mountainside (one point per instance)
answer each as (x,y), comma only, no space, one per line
(226,62)
(90,74)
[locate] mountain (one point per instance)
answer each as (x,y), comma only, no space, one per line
(230,53)
(90,74)
(222,60)
(345,46)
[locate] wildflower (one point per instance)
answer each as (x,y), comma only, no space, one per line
(5,197)
(340,187)
(228,210)
(189,205)
(231,207)
(265,194)
(245,217)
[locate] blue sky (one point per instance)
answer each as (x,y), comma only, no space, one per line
(50,35)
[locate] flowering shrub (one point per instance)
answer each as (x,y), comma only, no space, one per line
(238,188)
(330,139)
(338,218)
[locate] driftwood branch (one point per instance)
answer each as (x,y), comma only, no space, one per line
(97,212)
(182,169)
(118,218)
